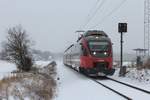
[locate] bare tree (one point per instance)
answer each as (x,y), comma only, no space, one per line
(17,48)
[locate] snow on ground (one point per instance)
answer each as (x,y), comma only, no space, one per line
(73,86)
(42,63)
(139,78)
(135,77)
(28,85)
(128,91)
(6,68)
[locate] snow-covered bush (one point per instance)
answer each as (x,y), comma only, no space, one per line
(34,85)
(142,75)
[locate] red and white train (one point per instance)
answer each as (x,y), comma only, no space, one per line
(91,54)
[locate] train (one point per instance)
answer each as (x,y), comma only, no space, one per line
(92,54)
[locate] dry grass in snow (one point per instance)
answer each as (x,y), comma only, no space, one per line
(39,84)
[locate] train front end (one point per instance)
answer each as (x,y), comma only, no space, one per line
(96,59)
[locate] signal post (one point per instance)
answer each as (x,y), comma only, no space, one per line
(122,28)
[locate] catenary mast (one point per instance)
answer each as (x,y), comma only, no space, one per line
(147,26)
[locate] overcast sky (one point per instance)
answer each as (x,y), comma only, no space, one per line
(52,23)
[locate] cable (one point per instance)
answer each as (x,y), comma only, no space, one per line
(93,7)
(89,13)
(94,13)
(109,14)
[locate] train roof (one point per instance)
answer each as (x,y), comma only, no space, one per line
(92,35)
(95,32)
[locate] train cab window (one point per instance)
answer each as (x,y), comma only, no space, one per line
(99,48)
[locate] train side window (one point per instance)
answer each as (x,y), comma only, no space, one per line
(84,51)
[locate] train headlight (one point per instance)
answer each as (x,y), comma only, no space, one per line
(94,53)
(97,37)
(105,53)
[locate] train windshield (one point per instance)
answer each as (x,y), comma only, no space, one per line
(98,46)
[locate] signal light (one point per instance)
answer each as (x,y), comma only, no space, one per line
(122,27)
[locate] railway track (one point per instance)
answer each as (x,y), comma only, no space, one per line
(143,90)
(120,93)
(134,93)
(113,90)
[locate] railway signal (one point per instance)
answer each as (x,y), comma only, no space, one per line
(122,28)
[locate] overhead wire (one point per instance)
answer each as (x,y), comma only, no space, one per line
(94,13)
(91,10)
(109,14)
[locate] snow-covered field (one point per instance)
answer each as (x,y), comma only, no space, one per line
(36,85)
(73,86)
(6,68)
(135,77)
(42,63)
